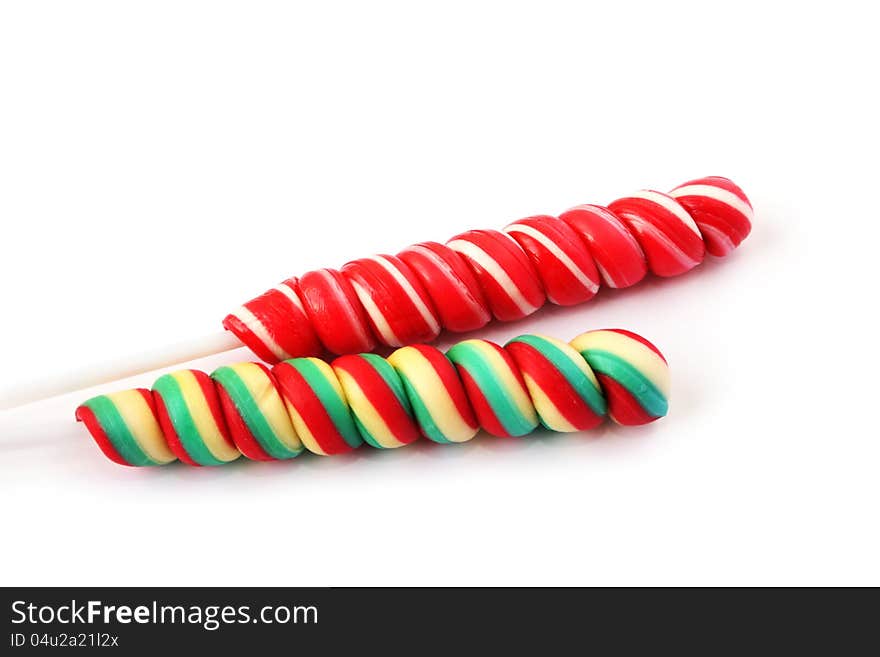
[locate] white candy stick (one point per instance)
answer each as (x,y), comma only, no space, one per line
(20,394)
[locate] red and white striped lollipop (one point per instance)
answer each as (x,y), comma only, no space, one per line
(408,298)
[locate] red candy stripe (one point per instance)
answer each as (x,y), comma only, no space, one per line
(209,390)
(381,397)
(638,338)
(274,325)
(666,232)
(553,383)
(85,415)
(623,408)
(336,314)
(564,265)
(242,436)
(397,306)
(297,392)
(721,210)
(503,271)
(444,369)
(482,409)
(171,437)
(457,296)
(616,252)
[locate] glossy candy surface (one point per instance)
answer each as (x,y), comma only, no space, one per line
(480,274)
(333,408)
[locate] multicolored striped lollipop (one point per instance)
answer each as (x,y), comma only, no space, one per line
(332,408)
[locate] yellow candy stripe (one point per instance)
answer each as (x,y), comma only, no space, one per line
(202,417)
(432,392)
(299,424)
(365,412)
(262,389)
(305,435)
(547,410)
(142,424)
(330,375)
(651,366)
(577,360)
(506,377)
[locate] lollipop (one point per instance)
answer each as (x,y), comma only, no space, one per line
(508,275)
(418,391)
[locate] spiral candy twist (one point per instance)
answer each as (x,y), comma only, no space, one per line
(332,408)
(408,298)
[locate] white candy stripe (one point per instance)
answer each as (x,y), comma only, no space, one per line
(558,253)
(353,319)
(720,238)
(610,282)
(717,193)
(663,239)
(514,242)
(382,326)
(255,326)
(671,205)
(414,296)
(441,265)
(494,270)
(290,294)
(611,220)
(446,271)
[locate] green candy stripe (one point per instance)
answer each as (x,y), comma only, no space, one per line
(252,415)
(638,385)
(335,405)
(392,381)
(575,377)
(423,415)
(499,398)
(183,422)
(117,431)
(366,435)
(390,376)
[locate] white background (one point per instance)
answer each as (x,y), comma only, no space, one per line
(161,162)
